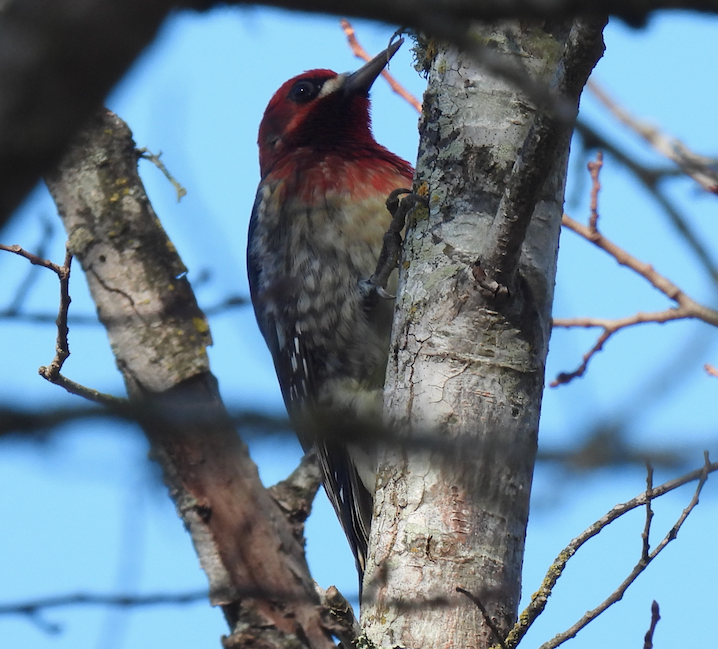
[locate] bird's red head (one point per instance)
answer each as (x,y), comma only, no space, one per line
(320,110)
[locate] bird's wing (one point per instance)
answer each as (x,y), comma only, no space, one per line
(297,367)
(326,432)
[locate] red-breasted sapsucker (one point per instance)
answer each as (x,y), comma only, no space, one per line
(314,238)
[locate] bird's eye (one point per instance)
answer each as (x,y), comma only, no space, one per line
(304,90)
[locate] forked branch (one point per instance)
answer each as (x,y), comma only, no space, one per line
(540,597)
(686,307)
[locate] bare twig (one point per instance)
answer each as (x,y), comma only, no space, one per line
(145,153)
(650,179)
(228,304)
(52,372)
(637,569)
(687,307)
(594,168)
(361,53)
(78,389)
(14,308)
(35,259)
(62,347)
(16,421)
(540,598)
(485,614)
(655,616)
(700,168)
(646,535)
(31,607)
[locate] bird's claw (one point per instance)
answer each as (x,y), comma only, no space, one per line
(369,287)
(383,293)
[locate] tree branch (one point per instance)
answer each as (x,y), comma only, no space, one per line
(62,348)
(642,564)
(687,307)
(540,598)
(698,167)
(650,179)
(159,337)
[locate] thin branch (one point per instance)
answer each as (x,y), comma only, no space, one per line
(52,372)
(540,598)
(650,179)
(362,54)
(642,564)
(687,307)
(646,534)
(34,609)
(31,607)
(34,259)
(80,390)
(146,154)
(610,327)
(24,287)
(15,421)
(62,346)
(226,305)
(655,616)
(700,168)
(594,168)
(485,614)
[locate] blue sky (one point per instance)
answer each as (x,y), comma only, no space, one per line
(84,511)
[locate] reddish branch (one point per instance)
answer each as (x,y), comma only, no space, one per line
(594,168)
(650,179)
(685,307)
(361,53)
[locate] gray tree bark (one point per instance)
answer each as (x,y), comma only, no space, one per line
(470,338)
(253,558)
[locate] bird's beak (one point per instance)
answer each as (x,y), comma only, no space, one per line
(360,82)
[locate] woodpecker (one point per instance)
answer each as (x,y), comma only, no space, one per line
(314,239)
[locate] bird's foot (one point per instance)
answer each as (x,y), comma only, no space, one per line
(399,208)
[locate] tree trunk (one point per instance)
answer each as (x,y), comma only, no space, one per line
(470,336)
